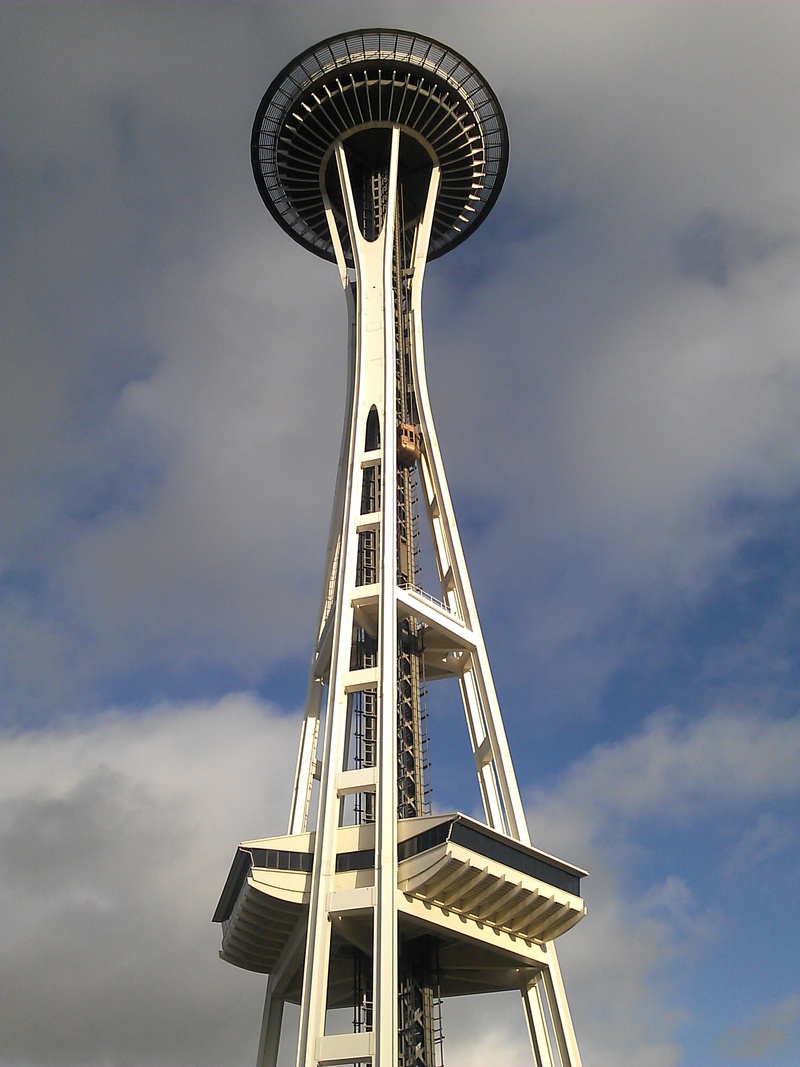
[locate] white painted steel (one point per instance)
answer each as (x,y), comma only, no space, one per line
(491,912)
(373,380)
(368,287)
(373,377)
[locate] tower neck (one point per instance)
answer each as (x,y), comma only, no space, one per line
(379,175)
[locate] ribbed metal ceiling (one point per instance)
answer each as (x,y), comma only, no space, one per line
(373,78)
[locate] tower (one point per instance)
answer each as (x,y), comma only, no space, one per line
(380,150)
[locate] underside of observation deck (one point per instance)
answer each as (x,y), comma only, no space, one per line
(367,80)
(485,901)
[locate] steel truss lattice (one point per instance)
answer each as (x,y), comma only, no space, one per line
(380,150)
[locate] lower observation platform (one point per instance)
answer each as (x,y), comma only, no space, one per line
(487,900)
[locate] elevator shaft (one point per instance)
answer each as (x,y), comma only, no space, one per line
(419,1005)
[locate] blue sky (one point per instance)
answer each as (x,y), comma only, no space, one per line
(613,362)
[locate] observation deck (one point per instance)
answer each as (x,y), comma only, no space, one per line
(456,880)
(370,80)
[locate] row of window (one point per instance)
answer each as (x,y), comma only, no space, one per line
(508,853)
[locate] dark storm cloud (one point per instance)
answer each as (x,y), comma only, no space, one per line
(152,302)
(714,248)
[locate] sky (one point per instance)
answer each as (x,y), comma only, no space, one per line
(614,371)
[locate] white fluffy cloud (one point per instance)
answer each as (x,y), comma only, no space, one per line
(626,963)
(116,838)
(674,769)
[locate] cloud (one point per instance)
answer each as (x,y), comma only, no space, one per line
(769,1032)
(769,837)
(674,769)
(649,929)
(712,248)
(614,371)
(116,837)
(174,408)
(157,413)
(660,917)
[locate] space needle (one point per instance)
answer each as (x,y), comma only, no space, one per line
(380,150)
